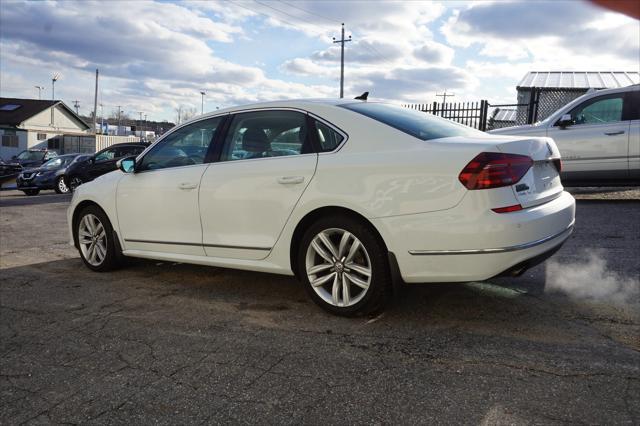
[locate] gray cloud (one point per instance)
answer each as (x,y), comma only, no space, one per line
(363,52)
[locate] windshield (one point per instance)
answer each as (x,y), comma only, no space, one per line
(31,155)
(415,123)
(57,162)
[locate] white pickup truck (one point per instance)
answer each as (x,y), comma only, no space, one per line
(598,135)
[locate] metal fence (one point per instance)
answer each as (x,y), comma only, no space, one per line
(484,116)
(472,114)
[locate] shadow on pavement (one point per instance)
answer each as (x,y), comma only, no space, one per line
(16,198)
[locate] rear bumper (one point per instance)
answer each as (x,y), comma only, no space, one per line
(472,243)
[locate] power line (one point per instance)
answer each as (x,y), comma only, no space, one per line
(290,15)
(333,21)
(274,17)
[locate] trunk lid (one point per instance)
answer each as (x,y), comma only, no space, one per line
(541,183)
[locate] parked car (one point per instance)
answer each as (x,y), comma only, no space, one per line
(51,175)
(102,162)
(349,196)
(598,135)
(9,170)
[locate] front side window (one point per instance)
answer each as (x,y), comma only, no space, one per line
(266,134)
(328,138)
(31,155)
(186,146)
(415,123)
(598,111)
(106,155)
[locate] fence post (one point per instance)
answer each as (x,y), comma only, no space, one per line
(484,106)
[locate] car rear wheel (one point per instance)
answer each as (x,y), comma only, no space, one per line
(74,182)
(344,267)
(96,240)
(31,191)
(61,186)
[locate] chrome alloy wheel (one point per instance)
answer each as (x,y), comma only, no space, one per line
(93,240)
(338,267)
(62,185)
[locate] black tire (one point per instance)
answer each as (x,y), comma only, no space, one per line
(61,186)
(113,258)
(74,182)
(31,191)
(380,288)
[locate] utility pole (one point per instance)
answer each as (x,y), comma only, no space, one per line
(55,78)
(202,92)
(40,88)
(95,105)
(76,105)
(342,41)
(444,96)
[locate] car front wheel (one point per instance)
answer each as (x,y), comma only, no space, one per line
(61,186)
(344,267)
(96,240)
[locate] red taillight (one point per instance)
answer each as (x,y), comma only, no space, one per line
(494,169)
(508,209)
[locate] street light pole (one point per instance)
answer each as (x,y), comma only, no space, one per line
(202,92)
(55,78)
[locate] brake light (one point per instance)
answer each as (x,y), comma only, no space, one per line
(494,170)
(508,209)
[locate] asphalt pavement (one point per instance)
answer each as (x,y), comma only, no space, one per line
(168,343)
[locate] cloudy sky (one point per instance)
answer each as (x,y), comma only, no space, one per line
(157,56)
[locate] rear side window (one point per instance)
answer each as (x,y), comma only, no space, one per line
(328,138)
(415,123)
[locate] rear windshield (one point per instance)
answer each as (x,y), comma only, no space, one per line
(415,123)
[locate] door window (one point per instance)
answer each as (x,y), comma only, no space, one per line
(598,111)
(266,134)
(106,155)
(184,147)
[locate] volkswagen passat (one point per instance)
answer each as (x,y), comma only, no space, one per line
(348,196)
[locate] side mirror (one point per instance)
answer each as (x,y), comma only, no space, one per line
(127,165)
(565,120)
(14,157)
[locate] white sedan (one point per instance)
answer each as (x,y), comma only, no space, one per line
(349,196)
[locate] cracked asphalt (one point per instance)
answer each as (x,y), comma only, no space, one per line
(180,344)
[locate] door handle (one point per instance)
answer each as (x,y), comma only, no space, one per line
(187,185)
(290,180)
(620,132)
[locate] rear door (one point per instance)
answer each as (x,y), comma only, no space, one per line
(632,104)
(265,164)
(596,145)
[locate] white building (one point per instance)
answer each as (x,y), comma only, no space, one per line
(32,123)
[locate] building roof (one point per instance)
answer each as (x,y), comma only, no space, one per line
(15,111)
(579,79)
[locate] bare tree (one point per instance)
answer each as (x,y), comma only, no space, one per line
(178,114)
(189,113)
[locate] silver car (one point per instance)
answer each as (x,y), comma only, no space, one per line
(598,135)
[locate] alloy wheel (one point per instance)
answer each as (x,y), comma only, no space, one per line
(338,267)
(62,186)
(93,239)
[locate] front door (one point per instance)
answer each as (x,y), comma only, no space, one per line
(103,162)
(158,209)
(596,144)
(266,162)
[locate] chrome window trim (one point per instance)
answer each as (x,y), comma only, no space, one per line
(568,230)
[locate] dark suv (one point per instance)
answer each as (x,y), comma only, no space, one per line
(28,158)
(102,162)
